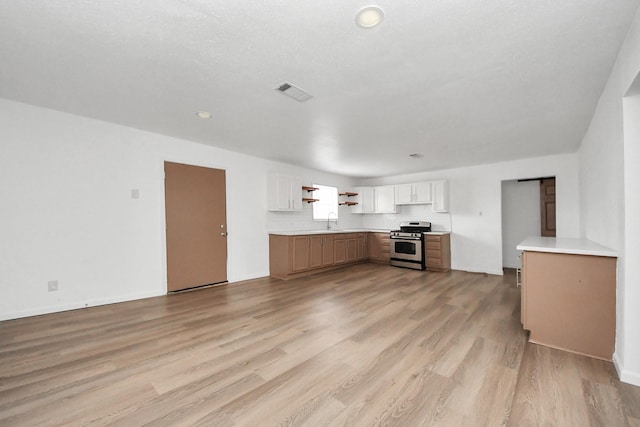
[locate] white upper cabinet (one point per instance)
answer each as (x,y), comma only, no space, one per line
(284,193)
(422,192)
(375,200)
(408,194)
(365,200)
(441,196)
(404,194)
(385,199)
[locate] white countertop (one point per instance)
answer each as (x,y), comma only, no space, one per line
(565,245)
(347,230)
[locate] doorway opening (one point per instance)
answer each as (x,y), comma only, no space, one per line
(528,209)
(548,207)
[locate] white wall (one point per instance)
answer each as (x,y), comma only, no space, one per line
(67,212)
(476,198)
(607,159)
(520,217)
(631,291)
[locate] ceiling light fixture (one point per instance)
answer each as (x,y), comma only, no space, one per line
(203,114)
(369,16)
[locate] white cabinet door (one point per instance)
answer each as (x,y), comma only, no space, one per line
(296,193)
(385,199)
(368,199)
(365,200)
(404,194)
(441,196)
(284,193)
(416,193)
(422,192)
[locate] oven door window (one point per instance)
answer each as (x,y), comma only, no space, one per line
(408,248)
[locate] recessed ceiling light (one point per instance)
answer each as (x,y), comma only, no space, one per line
(203,114)
(369,16)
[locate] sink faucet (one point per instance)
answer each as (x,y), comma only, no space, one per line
(329,217)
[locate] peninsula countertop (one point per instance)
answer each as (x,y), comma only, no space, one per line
(565,245)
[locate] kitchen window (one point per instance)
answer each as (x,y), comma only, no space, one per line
(327,204)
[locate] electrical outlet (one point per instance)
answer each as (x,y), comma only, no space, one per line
(135,193)
(53,285)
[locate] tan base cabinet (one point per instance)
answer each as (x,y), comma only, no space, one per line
(328,255)
(292,256)
(569,302)
(438,249)
(301,252)
(316,251)
(378,248)
(339,249)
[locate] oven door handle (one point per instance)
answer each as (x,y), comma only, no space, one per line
(406,238)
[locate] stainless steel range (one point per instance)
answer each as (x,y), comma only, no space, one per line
(407,245)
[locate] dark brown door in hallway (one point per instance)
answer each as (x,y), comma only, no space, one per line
(548,207)
(196,215)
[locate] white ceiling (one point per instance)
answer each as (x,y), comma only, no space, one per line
(461,81)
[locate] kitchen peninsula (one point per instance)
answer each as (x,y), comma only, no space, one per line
(569,295)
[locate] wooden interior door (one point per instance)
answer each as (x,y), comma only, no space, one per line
(548,207)
(196,215)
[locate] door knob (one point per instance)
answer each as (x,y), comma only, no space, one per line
(224,234)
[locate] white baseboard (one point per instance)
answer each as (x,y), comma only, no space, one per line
(625,376)
(477,270)
(76,305)
(96,302)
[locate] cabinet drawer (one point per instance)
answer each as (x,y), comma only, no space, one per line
(433,239)
(434,254)
(434,262)
(435,246)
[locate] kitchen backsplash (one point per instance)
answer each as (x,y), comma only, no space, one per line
(277,221)
(439,221)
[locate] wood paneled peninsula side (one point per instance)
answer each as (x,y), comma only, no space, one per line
(569,295)
(300,253)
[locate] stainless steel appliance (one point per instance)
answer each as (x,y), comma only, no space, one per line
(407,245)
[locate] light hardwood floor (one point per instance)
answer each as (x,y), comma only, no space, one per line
(367,345)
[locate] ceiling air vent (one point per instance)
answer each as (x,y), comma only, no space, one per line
(293,92)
